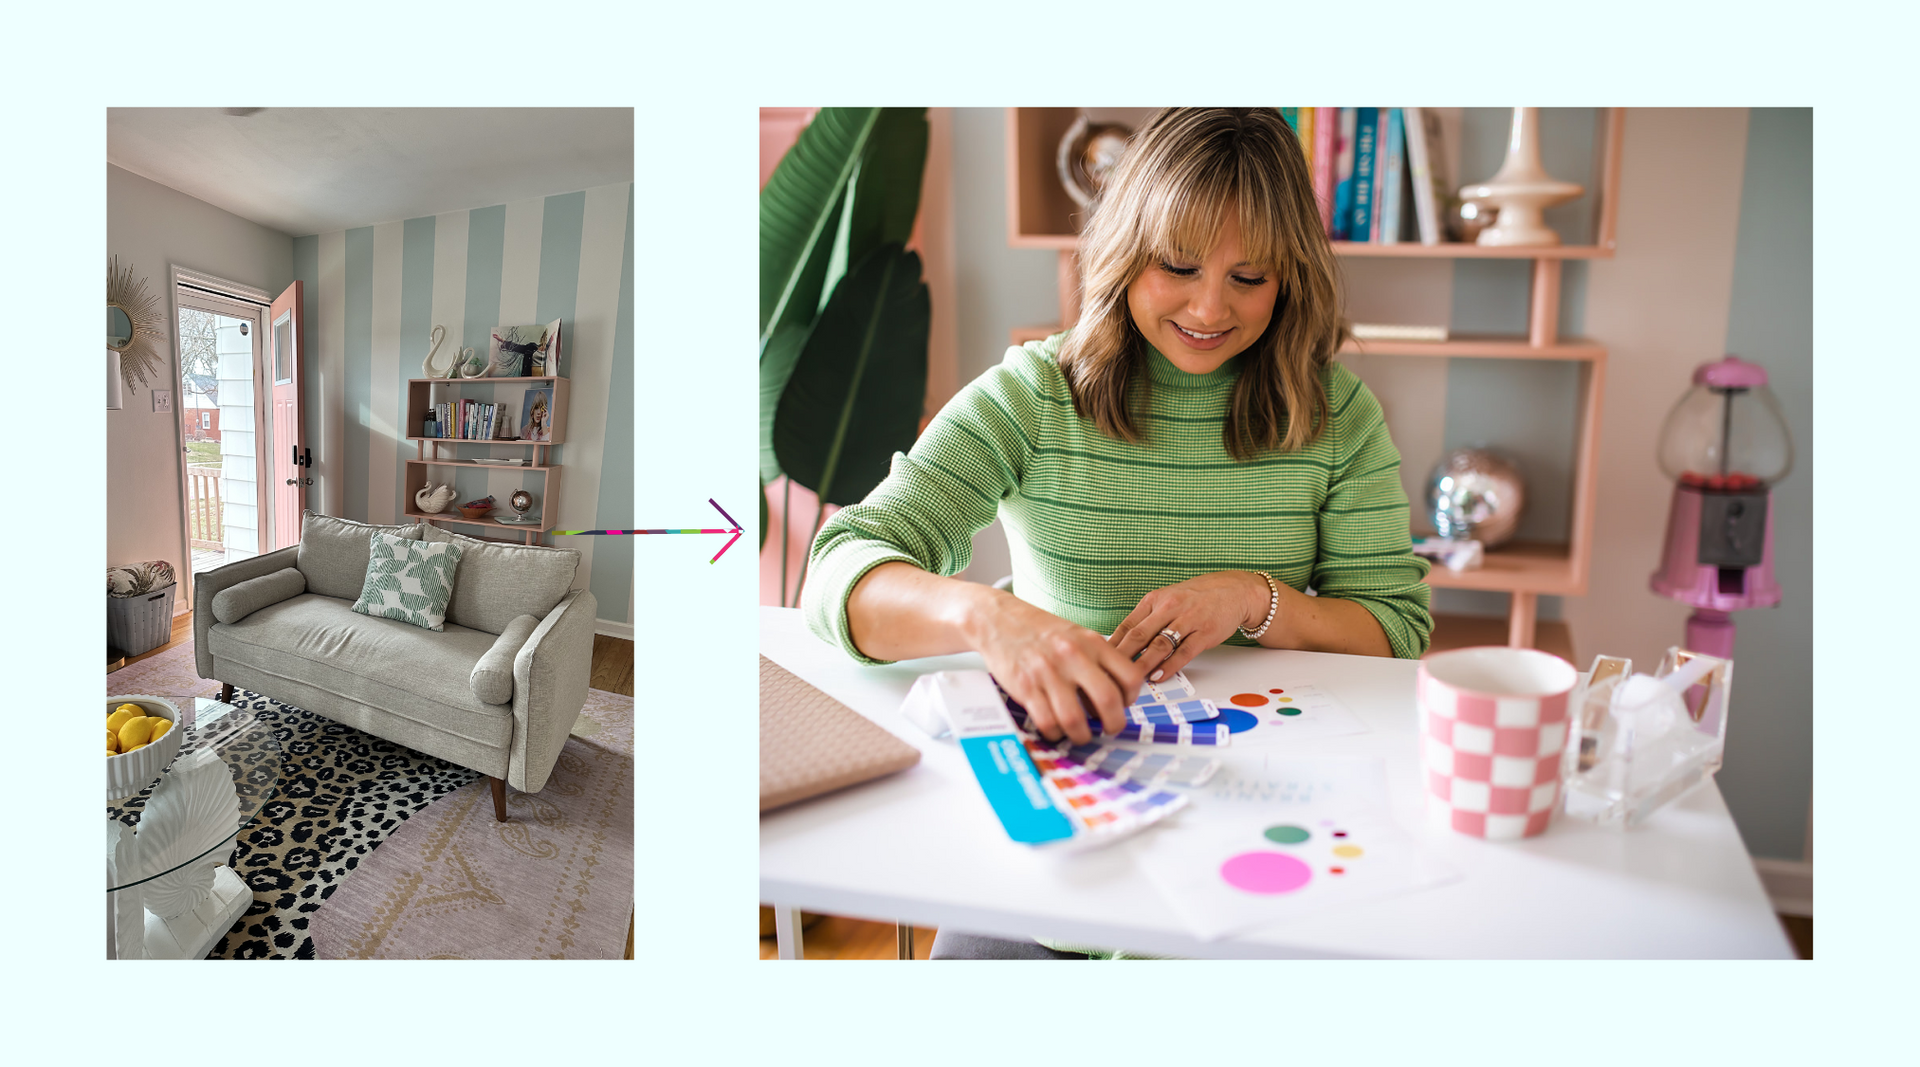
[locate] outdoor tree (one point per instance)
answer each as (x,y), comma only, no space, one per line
(199,355)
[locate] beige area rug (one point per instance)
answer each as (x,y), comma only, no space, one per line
(553,882)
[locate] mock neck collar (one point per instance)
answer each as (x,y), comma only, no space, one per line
(1162,372)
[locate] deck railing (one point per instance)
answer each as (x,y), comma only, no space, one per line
(205,516)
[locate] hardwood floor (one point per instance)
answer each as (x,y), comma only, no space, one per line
(611,672)
(835,937)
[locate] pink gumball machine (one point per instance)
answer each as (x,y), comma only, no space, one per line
(1725,445)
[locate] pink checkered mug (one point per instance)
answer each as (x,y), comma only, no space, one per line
(1493,730)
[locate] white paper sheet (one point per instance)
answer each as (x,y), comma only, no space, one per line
(1263,845)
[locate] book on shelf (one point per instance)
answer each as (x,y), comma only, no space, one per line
(1343,175)
(1392,177)
(1365,154)
(1326,123)
(1426,201)
(1376,331)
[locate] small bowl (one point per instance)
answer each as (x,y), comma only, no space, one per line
(477,513)
(130,772)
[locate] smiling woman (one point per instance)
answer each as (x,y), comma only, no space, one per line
(1175,471)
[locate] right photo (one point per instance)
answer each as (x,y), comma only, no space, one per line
(1291,532)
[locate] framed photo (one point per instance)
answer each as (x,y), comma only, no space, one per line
(536,415)
(513,349)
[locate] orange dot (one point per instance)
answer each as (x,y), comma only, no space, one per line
(1249,700)
(1336,870)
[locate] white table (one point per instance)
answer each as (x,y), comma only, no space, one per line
(922,847)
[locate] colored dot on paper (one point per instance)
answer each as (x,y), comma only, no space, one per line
(1276,690)
(1288,710)
(1348,851)
(1285,700)
(1237,721)
(1336,870)
(1339,833)
(1249,700)
(1265,872)
(1286,834)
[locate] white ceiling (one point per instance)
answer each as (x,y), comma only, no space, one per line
(316,170)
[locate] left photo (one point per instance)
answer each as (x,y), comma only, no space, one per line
(370,391)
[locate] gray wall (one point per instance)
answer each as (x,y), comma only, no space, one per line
(1526,407)
(1768,776)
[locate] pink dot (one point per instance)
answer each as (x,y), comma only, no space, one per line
(1265,872)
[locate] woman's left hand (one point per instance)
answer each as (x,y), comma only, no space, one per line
(1204,611)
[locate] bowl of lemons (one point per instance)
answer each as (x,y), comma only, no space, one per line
(143,736)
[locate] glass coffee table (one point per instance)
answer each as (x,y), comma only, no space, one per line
(170,894)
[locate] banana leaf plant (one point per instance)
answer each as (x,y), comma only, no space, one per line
(844,313)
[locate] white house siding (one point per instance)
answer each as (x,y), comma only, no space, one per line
(238,447)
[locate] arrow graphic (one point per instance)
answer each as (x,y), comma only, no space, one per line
(733,529)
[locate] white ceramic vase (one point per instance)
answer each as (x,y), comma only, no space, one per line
(1521,190)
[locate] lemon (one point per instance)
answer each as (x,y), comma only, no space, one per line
(134,733)
(160,727)
(133,748)
(113,742)
(122,714)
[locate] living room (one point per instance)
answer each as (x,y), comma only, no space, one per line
(415,326)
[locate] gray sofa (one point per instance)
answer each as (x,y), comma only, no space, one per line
(497,691)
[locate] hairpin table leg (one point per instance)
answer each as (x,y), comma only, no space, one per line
(786,932)
(903,941)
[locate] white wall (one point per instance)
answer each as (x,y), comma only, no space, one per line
(239,443)
(152,227)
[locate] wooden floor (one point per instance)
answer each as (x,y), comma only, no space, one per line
(612,672)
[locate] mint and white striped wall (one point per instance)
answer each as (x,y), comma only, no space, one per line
(373,296)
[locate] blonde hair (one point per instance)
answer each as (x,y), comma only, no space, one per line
(1167,199)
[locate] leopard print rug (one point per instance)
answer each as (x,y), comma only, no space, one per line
(341,792)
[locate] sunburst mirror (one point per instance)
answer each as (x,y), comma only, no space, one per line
(135,324)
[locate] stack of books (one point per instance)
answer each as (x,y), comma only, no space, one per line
(1379,173)
(468,420)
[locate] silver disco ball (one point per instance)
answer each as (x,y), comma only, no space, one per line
(1477,494)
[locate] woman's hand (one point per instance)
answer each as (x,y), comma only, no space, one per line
(1204,611)
(1046,663)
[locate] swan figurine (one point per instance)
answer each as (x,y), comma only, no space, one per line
(434,500)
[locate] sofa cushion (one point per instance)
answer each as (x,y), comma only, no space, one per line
(492,677)
(500,581)
(409,580)
(333,552)
(242,599)
(418,676)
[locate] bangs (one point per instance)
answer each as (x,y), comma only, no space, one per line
(1182,216)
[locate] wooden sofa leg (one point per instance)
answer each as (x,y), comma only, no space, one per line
(226,692)
(499,800)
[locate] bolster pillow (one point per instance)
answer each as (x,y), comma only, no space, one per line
(492,677)
(242,599)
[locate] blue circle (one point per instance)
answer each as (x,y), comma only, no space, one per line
(1237,721)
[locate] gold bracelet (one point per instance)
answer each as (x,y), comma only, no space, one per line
(1273,605)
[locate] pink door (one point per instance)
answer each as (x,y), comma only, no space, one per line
(292,461)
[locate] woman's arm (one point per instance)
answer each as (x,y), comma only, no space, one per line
(898,611)
(1207,610)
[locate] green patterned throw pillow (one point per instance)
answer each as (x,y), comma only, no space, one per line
(408,580)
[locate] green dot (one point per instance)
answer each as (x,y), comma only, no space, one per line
(1289,710)
(1287,835)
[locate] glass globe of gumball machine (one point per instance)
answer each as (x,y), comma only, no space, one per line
(1725,445)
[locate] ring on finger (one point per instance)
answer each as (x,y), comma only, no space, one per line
(1171,635)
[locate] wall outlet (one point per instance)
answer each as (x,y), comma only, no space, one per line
(162,400)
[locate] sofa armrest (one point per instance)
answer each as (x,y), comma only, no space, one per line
(220,578)
(549,689)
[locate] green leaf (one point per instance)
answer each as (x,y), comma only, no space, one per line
(886,190)
(763,516)
(799,207)
(856,392)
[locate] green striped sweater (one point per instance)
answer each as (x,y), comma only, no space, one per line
(1094,524)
